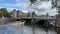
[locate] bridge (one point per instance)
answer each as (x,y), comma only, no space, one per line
(34,20)
(38,20)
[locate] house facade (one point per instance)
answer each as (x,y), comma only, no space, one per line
(29,14)
(16,14)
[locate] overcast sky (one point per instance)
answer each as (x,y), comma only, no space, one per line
(39,7)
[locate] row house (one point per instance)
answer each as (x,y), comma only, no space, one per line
(29,14)
(16,14)
(19,14)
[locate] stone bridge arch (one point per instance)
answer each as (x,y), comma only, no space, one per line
(46,22)
(42,22)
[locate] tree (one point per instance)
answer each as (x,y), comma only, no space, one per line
(47,14)
(14,10)
(32,1)
(4,12)
(54,3)
(33,14)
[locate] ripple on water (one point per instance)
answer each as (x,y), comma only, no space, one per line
(17,29)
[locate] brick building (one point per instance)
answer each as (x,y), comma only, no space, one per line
(16,14)
(29,14)
(19,14)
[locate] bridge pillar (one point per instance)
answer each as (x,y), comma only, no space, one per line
(33,20)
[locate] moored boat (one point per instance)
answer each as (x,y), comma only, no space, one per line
(17,22)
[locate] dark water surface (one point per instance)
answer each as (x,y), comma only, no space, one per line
(23,29)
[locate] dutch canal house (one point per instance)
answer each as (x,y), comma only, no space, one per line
(29,14)
(16,14)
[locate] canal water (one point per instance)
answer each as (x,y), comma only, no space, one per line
(23,29)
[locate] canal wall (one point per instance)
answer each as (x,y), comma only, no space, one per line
(5,20)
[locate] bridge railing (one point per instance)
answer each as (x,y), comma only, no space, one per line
(41,17)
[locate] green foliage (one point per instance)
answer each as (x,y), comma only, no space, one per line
(58,7)
(0,14)
(32,1)
(4,12)
(54,3)
(47,14)
(14,10)
(33,14)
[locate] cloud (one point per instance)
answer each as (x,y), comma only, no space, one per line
(40,7)
(45,5)
(24,11)
(18,4)
(43,8)
(53,12)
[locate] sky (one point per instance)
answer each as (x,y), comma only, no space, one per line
(40,7)
(13,4)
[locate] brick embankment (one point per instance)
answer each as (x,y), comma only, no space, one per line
(5,21)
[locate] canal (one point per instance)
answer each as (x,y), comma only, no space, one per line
(23,29)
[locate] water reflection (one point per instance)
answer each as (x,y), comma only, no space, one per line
(23,29)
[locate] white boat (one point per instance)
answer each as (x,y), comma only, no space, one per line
(18,22)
